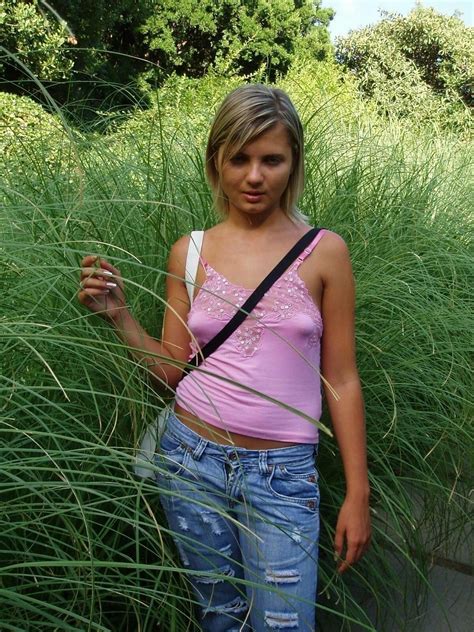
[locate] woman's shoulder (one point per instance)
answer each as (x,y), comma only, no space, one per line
(331,254)
(180,247)
(178,254)
(333,244)
(179,250)
(333,257)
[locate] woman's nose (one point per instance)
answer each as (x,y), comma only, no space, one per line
(254,173)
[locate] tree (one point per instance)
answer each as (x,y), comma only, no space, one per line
(118,49)
(422,63)
(109,44)
(39,42)
(239,36)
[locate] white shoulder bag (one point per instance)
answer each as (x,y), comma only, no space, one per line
(149,440)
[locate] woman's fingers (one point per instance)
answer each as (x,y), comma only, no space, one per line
(91,282)
(95,262)
(93,298)
(89,260)
(354,552)
(338,541)
(84,295)
(88,272)
(101,286)
(93,266)
(105,265)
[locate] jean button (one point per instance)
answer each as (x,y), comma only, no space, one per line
(232,456)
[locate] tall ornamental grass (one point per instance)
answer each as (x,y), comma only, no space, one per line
(84,542)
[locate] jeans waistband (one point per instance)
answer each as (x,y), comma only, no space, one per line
(198,444)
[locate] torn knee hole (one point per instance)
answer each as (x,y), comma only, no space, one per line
(183,523)
(226,550)
(213,520)
(281,620)
(283,576)
(215,576)
(236,606)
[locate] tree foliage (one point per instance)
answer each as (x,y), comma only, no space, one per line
(109,45)
(421,64)
(238,36)
(141,43)
(27,32)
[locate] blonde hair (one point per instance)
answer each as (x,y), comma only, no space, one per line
(245,114)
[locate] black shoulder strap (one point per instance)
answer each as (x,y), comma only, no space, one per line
(256,296)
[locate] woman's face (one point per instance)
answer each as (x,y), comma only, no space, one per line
(255,178)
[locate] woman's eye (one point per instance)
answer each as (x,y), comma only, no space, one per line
(273,160)
(237,160)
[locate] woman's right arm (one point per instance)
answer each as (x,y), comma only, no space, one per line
(98,278)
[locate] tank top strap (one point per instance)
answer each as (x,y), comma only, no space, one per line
(309,249)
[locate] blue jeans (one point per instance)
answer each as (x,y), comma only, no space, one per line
(246,525)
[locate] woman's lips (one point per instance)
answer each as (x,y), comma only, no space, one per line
(253,196)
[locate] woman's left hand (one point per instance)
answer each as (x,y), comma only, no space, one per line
(353,532)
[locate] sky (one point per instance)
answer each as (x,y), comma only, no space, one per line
(354,14)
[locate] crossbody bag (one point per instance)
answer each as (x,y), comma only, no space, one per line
(149,441)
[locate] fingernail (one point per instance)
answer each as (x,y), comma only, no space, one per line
(111,284)
(106,273)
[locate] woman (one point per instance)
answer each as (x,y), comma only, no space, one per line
(236,467)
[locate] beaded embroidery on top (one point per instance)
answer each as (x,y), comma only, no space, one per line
(218,298)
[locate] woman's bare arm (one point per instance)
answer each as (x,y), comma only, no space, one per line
(338,364)
(157,356)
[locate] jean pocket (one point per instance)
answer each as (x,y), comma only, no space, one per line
(295,484)
(296,470)
(172,457)
(169,444)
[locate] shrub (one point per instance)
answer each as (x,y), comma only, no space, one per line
(419,66)
(38,42)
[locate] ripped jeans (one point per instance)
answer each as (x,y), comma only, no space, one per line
(246,525)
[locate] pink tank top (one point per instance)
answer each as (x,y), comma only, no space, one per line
(268,369)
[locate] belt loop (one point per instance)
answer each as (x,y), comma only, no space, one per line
(199,449)
(263,462)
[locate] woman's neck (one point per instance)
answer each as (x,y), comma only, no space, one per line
(258,223)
